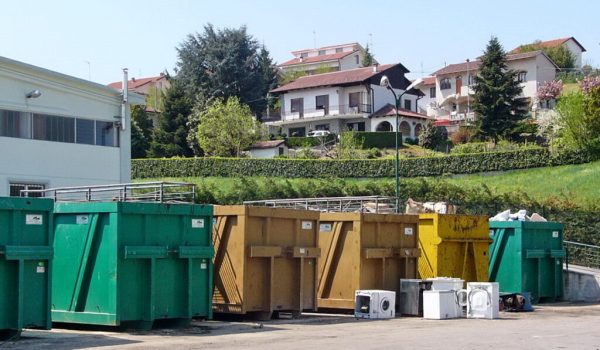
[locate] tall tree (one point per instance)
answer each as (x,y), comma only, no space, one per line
(369,58)
(225,63)
(496,98)
(141,131)
(170,136)
(227,128)
(559,54)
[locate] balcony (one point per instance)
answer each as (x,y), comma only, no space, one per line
(340,110)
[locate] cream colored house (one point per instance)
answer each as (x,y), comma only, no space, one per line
(334,58)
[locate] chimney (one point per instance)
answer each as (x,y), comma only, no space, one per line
(133,79)
(125,100)
(375,67)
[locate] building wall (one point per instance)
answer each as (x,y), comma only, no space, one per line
(546,71)
(576,51)
(309,102)
(383,96)
(56,163)
(412,122)
(349,62)
(530,66)
(268,152)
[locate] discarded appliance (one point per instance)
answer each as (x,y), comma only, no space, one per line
(375,304)
(483,300)
(440,304)
(411,296)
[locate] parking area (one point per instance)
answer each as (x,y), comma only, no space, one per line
(556,326)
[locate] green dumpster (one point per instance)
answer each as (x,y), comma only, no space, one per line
(25,253)
(527,256)
(130,263)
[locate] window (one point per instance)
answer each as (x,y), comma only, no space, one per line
(322,102)
(322,127)
(360,126)
(53,128)
(15,124)
(321,52)
(522,77)
(354,99)
(15,189)
(281,151)
(339,49)
(106,134)
(304,55)
(432,92)
(297,106)
(407,104)
(471,79)
(85,132)
(445,84)
(357,59)
(297,132)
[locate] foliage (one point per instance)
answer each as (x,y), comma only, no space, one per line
(463,135)
(290,76)
(549,90)
(170,135)
(569,77)
(227,128)
(155,99)
(558,54)
(411,141)
(433,137)
(378,139)
(349,146)
(496,97)
(579,125)
(589,83)
(295,142)
(306,153)
(369,58)
(361,168)
(141,131)
(482,147)
(226,63)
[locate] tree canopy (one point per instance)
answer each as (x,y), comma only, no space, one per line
(369,58)
(559,54)
(497,91)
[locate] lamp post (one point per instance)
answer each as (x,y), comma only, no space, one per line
(385,82)
(468,90)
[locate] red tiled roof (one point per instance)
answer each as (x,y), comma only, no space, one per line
(428,81)
(549,44)
(135,83)
(474,65)
(321,58)
(267,144)
(334,78)
(390,110)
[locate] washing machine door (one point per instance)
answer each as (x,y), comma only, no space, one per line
(385,305)
(480,302)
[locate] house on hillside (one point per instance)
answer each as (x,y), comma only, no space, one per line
(57,130)
(453,84)
(334,58)
(348,100)
(152,88)
(428,89)
(570,43)
(268,149)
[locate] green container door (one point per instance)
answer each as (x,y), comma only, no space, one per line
(528,256)
(26,231)
(132,262)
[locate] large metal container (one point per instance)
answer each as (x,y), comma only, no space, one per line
(454,246)
(528,257)
(364,251)
(265,260)
(131,263)
(26,232)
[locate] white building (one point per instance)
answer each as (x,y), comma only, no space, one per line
(570,43)
(334,58)
(268,149)
(348,100)
(57,130)
(453,86)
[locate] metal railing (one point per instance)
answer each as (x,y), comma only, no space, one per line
(163,192)
(329,110)
(582,254)
(363,204)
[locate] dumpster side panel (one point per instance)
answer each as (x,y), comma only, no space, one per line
(26,233)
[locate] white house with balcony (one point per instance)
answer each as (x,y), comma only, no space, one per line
(334,58)
(453,84)
(348,100)
(57,130)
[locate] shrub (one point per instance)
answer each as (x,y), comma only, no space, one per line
(378,139)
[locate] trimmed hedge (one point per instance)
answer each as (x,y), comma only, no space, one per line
(377,139)
(316,168)
(297,142)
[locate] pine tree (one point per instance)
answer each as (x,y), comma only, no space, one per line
(369,58)
(170,136)
(496,95)
(141,131)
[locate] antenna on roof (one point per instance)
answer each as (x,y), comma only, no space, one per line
(315,38)
(371,41)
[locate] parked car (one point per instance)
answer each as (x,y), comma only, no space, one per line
(318,133)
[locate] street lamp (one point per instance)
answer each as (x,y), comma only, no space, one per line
(385,82)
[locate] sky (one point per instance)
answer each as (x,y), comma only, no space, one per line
(95,39)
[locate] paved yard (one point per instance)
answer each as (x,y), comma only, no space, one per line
(558,326)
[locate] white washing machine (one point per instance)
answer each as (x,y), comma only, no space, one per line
(483,300)
(446,283)
(440,304)
(375,304)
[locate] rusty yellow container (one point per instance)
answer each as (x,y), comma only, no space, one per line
(454,246)
(364,251)
(265,260)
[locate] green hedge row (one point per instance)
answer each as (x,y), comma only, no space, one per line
(361,168)
(377,139)
(297,142)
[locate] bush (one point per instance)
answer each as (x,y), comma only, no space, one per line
(411,141)
(298,142)
(317,168)
(378,139)
(463,135)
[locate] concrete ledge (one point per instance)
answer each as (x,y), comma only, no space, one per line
(582,284)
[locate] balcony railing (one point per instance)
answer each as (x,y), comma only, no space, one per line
(327,111)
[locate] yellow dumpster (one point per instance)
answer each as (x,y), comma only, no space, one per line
(454,246)
(265,260)
(364,251)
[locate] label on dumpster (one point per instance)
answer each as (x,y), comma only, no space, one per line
(82,219)
(554,234)
(491,233)
(197,223)
(325,227)
(34,219)
(203,266)
(408,231)
(306,225)
(40,269)
(302,251)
